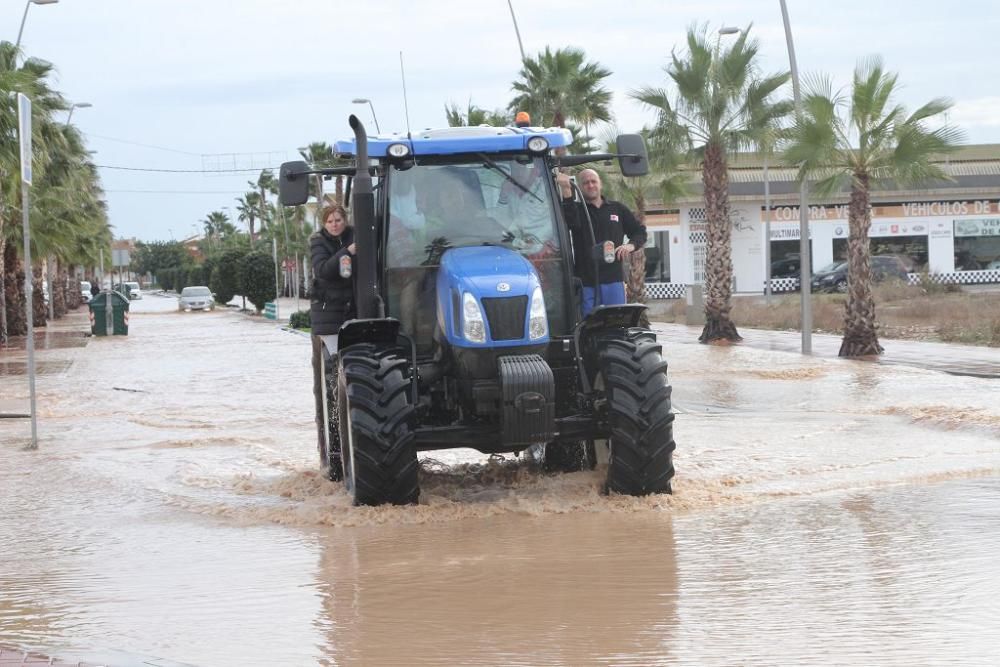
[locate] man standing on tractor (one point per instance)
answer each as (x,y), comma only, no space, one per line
(612,222)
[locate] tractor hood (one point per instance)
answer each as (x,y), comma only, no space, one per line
(501,283)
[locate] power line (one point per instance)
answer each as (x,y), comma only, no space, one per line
(181,192)
(184,171)
(136,143)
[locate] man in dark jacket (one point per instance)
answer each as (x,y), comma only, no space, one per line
(331,252)
(613,222)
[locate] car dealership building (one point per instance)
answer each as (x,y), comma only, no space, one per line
(947,229)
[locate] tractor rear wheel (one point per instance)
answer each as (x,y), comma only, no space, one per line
(375,422)
(642,446)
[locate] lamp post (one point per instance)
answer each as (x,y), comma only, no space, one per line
(28,4)
(805,260)
(76,105)
(516,30)
(365,100)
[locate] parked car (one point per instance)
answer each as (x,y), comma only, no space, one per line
(134,292)
(85,291)
(833,277)
(790,267)
(198,297)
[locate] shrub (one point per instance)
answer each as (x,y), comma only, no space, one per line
(226,276)
(257,276)
(300,320)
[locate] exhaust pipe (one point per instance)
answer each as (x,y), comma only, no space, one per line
(363,210)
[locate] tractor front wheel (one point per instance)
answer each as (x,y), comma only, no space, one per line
(375,422)
(642,446)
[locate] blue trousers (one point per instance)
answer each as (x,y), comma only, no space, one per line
(612,294)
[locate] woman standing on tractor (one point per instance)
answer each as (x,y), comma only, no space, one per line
(331,251)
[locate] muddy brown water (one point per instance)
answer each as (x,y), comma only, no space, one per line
(825,512)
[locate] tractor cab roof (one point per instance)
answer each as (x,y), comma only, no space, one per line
(456,140)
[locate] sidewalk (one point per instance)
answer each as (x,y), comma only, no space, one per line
(950,358)
(286,306)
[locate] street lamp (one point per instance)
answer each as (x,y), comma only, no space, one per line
(76,105)
(28,4)
(365,100)
(728,30)
(805,260)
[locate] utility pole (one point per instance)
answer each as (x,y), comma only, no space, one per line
(805,260)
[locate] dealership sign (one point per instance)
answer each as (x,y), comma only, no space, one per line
(982,227)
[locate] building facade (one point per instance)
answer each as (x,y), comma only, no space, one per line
(949,230)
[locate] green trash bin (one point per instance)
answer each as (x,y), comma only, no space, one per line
(119,314)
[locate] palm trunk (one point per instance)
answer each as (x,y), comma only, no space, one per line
(17,322)
(58,290)
(3,289)
(40,312)
(718,255)
(73,300)
(860,329)
(635,278)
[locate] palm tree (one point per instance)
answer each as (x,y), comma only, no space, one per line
(320,154)
(248,207)
(474,115)
(68,213)
(558,86)
(216,224)
(859,142)
(721,105)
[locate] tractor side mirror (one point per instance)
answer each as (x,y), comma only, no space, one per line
(633,149)
(293,183)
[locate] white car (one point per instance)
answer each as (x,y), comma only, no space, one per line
(134,293)
(198,297)
(85,291)
(994,265)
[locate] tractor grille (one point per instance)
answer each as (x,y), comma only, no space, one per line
(506,316)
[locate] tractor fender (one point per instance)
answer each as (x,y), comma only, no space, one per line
(383,330)
(603,322)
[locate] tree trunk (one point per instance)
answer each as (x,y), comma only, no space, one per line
(338,195)
(58,290)
(3,290)
(860,334)
(40,311)
(73,299)
(635,269)
(718,253)
(17,323)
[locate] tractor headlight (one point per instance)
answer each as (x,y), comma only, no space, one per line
(398,150)
(538,144)
(473,326)
(538,324)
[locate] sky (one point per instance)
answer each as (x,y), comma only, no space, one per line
(209,85)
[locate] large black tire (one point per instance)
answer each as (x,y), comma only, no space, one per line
(634,376)
(380,463)
(565,456)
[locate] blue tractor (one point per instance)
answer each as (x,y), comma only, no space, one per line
(468,330)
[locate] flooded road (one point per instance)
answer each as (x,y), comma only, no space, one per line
(825,512)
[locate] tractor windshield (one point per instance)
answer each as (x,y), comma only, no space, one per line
(505,201)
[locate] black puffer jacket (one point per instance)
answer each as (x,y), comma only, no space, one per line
(332,296)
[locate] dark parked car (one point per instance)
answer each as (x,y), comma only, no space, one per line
(833,277)
(786,268)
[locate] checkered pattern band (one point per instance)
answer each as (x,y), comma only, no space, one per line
(665,290)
